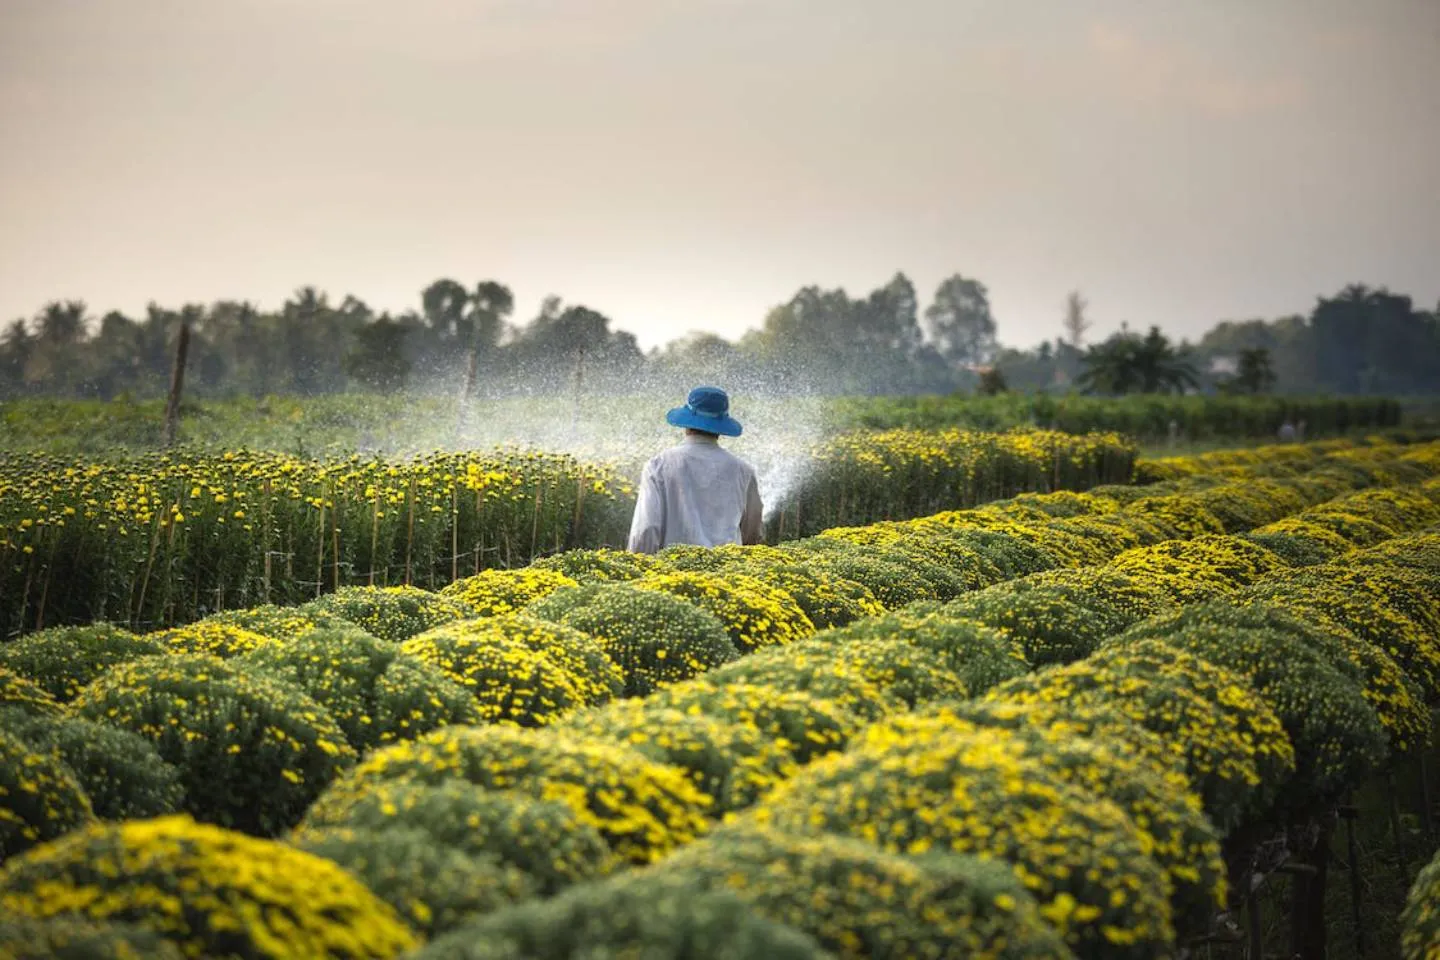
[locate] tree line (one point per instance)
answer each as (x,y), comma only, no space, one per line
(1362,340)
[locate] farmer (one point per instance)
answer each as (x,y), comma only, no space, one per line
(695,492)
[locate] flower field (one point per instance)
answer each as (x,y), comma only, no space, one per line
(162,539)
(1075,723)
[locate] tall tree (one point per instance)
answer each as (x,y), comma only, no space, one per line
(376,358)
(1076,323)
(1253,373)
(959,322)
(1128,363)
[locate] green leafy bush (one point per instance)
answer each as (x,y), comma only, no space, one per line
(281,623)
(252,751)
(210,891)
(814,668)
(543,839)
(653,637)
(373,690)
(61,660)
(74,938)
(390,613)
(121,772)
(1047,621)
(39,796)
(829,600)
(643,809)
(858,901)
(432,888)
(1420,921)
(639,915)
(214,639)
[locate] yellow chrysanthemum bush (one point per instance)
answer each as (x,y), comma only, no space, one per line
(755,615)
(1154,794)
(1300,543)
(891,673)
(252,751)
(638,914)
(432,888)
(211,891)
(390,613)
(653,637)
(1420,552)
(1235,750)
(1078,854)
(1051,622)
(545,840)
(61,660)
(71,937)
(39,796)
(1252,504)
(894,583)
(491,593)
(806,726)
(643,809)
(977,655)
(904,543)
(1184,579)
(1177,516)
(1337,736)
(1395,698)
(594,676)
(510,681)
(827,598)
(732,762)
(282,623)
(1420,921)
(121,773)
(212,638)
(859,901)
(601,565)
(1369,606)
(374,691)
(19,693)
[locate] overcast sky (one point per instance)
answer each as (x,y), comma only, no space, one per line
(687,164)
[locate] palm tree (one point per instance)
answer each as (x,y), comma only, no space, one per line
(1128,363)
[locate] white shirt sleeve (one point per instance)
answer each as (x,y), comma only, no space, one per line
(647,528)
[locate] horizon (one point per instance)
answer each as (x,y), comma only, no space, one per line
(687,167)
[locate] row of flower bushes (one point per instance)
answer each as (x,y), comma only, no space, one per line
(162,539)
(641,777)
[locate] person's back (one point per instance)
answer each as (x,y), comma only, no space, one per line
(697,493)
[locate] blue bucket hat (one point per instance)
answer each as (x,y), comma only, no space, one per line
(708,409)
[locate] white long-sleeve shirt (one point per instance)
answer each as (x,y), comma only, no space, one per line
(696,493)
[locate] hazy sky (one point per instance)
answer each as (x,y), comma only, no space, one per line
(687,164)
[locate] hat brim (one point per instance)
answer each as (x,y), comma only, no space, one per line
(685,417)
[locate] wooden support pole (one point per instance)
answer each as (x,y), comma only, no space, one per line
(1352,856)
(177,384)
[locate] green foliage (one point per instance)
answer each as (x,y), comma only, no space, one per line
(431,887)
(374,691)
(74,938)
(543,839)
(39,796)
(1420,932)
(252,751)
(1046,620)
(829,600)
(64,659)
(599,566)
(858,901)
(755,614)
(120,772)
(390,613)
(870,677)
(653,637)
(209,891)
(643,915)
